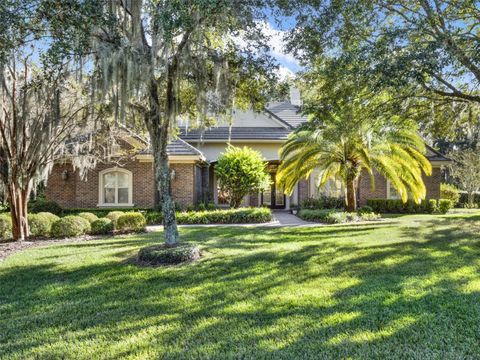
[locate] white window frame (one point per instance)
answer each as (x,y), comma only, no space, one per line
(101,201)
(389,196)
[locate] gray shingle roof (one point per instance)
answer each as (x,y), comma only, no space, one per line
(287,112)
(434,155)
(178,147)
(236,133)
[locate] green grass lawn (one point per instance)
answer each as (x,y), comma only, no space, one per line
(408,289)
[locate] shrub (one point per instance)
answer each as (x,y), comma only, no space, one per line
(131,221)
(369,216)
(40,225)
(113,216)
(229,216)
(51,217)
(241,171)
(323,202)
(164,255)
(341,217)
(42,205)
(70,226)
(102,226)
(450,192)
(464,200)
(154,217)
(314,215)
(335,217)
(211,206)
(365,210)
(88,216)
(201,207)
(444,205)
(190,207)
(397,206)
(5,226)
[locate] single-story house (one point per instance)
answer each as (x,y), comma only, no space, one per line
(192,159)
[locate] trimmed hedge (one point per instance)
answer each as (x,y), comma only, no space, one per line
(323,202)
(101,226)
(399,207)
(131,222)
(42,205)
(5,226)
(164,255)
(335,216)
(103,212)
(70,226)
(228,216)
(88,216)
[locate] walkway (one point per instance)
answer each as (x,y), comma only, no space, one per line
(280,219)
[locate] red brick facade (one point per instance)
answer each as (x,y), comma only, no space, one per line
(365,192)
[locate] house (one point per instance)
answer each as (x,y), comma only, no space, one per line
(192,159)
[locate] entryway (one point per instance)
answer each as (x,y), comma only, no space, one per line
(274,198)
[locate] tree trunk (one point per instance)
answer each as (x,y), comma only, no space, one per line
(159,136)
(17,200)
(471,199)
(351,196)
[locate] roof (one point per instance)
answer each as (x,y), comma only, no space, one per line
(434,155)
(236,133)
(287,112)
(177,147)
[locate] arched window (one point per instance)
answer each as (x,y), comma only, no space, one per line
(115,187)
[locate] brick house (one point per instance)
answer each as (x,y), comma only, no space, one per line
(192,159)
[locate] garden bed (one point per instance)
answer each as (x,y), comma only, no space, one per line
(329,216)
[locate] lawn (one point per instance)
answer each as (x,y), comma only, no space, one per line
(408,289)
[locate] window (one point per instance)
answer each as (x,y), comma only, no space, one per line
(115,187)
(392,193)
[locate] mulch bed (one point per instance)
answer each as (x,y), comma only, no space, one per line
(12,247)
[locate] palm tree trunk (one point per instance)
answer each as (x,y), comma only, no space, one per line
(351,196)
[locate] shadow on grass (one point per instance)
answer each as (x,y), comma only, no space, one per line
(275,293)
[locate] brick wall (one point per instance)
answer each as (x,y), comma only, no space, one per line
(77,193)
(365,192)
(183,187)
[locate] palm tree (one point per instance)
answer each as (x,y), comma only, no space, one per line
(343,149)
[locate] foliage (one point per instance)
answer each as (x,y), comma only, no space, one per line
(229,216)
(165,255)
(344,147)
(104,212)
(90,217)
(335,216)
(70,226)
(451,192)
(399,207)
(131,221)
(464,200)
(444,205)
(365,210)
(101,226)
(241,171)
(323,202)
(154,217)
(465,168)
(40,225)
(425,45)
(114,216)
(5,226)
(43,205)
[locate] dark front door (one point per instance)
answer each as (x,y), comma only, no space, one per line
(274,198)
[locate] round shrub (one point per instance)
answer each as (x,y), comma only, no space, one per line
(113,216)
(51,217)
(5,226)
(88,216)
(450,192)
(39,225)
(365,210)
(444,205)
(70,226)
(132,221)
(165,255)
(102,226)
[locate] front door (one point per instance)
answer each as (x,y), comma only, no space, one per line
(274,197)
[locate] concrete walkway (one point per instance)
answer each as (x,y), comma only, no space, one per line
(280,219)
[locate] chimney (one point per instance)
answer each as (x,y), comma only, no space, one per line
(295,98)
